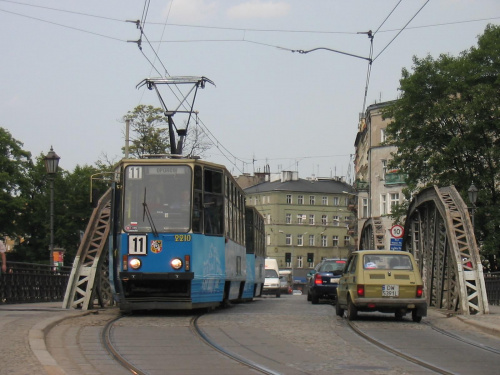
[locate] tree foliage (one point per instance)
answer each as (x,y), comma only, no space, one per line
(446,127)
(149,131)
(14,166)
(150,136)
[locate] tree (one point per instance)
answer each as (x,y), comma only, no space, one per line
(149,129)
(447,131)
(14,166)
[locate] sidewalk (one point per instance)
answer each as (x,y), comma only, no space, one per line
(23,328)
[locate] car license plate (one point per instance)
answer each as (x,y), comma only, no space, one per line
(390,290)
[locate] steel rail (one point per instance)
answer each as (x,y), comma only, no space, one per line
(396,352)
(463,339)
(108,345)
(255,366)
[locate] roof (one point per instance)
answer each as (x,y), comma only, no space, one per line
(303,186)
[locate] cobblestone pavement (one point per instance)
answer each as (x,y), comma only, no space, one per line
(314,332)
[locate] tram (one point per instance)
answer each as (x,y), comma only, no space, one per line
(181,236)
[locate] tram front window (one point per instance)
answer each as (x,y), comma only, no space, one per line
(160,192)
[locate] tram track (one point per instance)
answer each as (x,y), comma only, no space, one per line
(425,364)
(195,329)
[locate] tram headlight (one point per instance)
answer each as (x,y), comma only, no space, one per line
(176,263)
(135,263)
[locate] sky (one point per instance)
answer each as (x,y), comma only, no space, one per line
(69,71)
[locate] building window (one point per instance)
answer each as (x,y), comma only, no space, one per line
(365,207)
(394,200)
(335,201)
(300,219)
(288,239)
(300,240)
(383,204)
(300,199)
(335,240)
(324,201)
(288,218)
(324,241)
(300,262)
(324,220)
(289,199)
(268,218)
(347,240)
(336,221)
(312,199)
(384,168)
(311,240)
(382,135)
(268,239)
(311,219)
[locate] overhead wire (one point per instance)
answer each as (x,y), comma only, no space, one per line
(392,40)
(143,22)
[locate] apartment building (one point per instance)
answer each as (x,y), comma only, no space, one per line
(306,219)
(379,188)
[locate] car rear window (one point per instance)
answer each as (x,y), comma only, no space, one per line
(387,262)
(332,266)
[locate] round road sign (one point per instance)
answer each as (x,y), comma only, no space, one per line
(397,231)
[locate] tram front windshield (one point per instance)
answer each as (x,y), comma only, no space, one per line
(157,198)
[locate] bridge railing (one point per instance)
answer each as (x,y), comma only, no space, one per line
(29,282)
(492,283)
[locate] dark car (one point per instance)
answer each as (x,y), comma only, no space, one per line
(323,280)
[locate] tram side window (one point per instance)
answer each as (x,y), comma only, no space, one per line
(197,224)
(213,202)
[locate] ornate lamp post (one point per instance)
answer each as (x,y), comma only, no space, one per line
(51,164)
(472,198)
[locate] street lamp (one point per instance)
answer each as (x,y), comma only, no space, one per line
(51,163)
(472,198)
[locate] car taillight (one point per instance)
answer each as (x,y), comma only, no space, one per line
(318,280)
(420,291)
(187,262)
(361,290)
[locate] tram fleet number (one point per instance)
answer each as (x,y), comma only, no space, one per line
(137,244)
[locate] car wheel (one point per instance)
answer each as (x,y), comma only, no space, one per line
(398,315)
(339,310)
(352,311)
(314,299)
(416,318)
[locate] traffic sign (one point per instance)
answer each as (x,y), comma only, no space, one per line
(396,244)
(397,231)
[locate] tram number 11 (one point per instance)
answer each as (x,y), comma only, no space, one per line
(137,245)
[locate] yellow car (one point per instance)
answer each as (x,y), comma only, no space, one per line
(381,280)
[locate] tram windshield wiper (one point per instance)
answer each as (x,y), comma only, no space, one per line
(147,213)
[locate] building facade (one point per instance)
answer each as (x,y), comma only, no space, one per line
(379,188)
(306,220)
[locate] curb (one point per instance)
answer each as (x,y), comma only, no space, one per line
(36,338)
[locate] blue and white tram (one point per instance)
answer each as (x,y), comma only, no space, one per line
(178,236)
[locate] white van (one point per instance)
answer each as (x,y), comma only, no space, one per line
(272,278)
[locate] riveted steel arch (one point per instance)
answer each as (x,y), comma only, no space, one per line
(439,233)
(373,234)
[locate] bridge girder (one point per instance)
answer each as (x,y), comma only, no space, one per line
(439,233)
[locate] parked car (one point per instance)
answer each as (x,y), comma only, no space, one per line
(384,281)
(323,280)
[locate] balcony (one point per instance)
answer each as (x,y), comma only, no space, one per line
(395,178)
